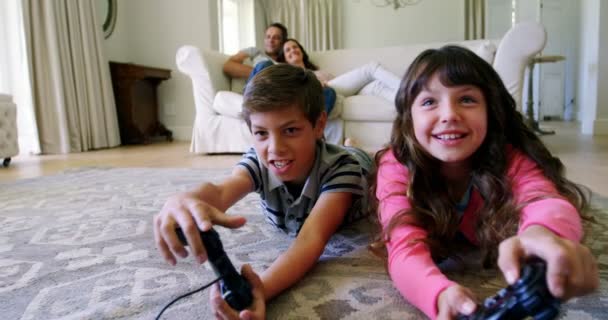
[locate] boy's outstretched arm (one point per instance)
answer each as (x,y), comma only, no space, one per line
(324,219)
(199,209)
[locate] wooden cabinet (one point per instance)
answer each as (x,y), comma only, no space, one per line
(137,102)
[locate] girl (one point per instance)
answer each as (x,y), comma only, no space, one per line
(463,167)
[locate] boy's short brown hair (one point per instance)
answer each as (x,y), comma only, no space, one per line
(281,86)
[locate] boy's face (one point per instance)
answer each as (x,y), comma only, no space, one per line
(285,141)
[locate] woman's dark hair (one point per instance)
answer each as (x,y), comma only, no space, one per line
(431,207)
(307,63)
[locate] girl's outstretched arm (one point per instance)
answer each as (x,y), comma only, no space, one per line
(571,268)
(550,228)
(411,267)
(542,204)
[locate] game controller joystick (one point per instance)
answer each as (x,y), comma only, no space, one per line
(528,297)
(234,288)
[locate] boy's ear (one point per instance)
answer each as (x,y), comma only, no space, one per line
(320,125)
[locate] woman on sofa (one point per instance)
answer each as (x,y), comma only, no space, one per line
(369,79)
(294,54)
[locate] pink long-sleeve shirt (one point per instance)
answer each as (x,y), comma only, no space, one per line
(411,268)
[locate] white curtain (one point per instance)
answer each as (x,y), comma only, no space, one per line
(314,23)
(72,91)
(474,19)
(14,73)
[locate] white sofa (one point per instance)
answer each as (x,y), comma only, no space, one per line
(368,119)
(8,129)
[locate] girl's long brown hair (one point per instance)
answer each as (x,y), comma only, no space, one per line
(431,208)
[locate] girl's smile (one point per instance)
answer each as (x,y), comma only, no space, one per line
(450,123)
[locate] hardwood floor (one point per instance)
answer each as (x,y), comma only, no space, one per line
(162,154)
(585,158)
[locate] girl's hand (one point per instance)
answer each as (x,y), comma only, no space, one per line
(455,300)
(257,310)
(571,269)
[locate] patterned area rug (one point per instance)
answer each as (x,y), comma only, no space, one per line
(79,245)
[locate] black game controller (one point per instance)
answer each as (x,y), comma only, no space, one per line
(235,289)
(528,297)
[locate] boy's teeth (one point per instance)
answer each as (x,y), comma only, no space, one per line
(449,136)
(280,164)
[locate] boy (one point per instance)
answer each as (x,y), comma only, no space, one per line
(308,188)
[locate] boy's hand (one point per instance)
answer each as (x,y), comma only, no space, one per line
(455,300)
(190,213)
(257,310)
(571,269)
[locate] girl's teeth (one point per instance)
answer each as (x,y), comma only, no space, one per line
(449,136)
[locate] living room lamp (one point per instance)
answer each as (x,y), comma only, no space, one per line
(395,3)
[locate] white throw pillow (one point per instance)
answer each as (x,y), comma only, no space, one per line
(228,103)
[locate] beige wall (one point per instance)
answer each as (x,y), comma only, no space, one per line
(117,44)
(149,32)
(593,70)
(601,119)
(367,26)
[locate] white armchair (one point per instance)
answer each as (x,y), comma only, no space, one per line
(8,129)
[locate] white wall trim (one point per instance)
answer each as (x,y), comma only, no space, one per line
(181,133)
(600,127)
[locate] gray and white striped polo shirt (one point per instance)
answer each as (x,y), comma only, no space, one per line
(336,169)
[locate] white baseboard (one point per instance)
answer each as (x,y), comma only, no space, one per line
(600,127)
(181,133)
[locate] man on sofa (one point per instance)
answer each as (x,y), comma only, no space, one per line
(274,36)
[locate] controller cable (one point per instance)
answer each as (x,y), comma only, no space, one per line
(185,295)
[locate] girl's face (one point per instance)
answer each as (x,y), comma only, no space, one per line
(450,123)
(293,54)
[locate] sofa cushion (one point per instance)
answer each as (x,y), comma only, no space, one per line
(228,103)
(238,85)
(367,108)
(486,50)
